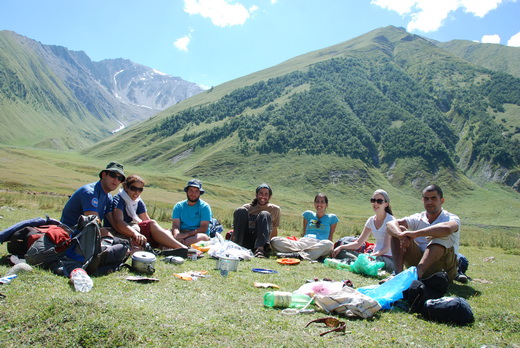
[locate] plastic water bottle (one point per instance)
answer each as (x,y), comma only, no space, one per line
(81,280)
(281,299)
(335,263)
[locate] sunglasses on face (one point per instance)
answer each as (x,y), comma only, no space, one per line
(338,325)
(379,200)
(114,175)
(136,189)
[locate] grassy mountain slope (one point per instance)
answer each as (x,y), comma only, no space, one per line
(387,103)
(37,108)
(491,56)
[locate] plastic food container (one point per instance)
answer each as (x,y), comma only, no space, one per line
(192,254)
(144,262)
(227,263)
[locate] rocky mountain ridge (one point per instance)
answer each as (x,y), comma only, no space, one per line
(105,95)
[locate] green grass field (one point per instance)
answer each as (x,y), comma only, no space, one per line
(41,309)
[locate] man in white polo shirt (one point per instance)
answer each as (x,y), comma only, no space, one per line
(428,240)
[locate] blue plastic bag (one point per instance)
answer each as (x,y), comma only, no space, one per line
(392,290)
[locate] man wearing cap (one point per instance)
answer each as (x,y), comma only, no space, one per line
(428,240)
(94,198)
(191,217)
(257,222)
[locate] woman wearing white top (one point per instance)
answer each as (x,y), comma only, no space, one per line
(377,226)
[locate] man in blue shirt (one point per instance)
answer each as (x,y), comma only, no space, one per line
(94,198)
(191,217)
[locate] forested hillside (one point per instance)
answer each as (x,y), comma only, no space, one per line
(383,99)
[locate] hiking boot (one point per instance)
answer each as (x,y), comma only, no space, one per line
(182,252)
(288,256)
(462,278)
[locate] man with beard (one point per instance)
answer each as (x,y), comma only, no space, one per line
(428,240)
(94,198)
(257,222)
(191,217)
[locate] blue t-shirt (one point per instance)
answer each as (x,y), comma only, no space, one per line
(90,197)
(119,203)
(192,215)
(321,232)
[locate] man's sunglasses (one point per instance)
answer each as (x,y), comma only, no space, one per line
(136,189)
(379,200)
(114,175)
(338,325)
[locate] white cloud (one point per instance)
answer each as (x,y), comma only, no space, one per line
(182,43)
(402,7)
(480,8)
(222,13)
(514,40)
(431,14)
(428,15)
(495,39)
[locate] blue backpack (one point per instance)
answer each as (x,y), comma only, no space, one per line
(214,227)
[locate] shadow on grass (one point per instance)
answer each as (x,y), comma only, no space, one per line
(462,290)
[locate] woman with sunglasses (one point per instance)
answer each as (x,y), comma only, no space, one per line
(376,225)
(318,229)
(130,218)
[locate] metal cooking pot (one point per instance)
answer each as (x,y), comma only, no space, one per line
(144,262)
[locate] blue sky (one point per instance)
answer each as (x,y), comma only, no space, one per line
(210,42)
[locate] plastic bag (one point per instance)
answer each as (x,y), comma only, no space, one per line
(391,290)
(320,288)
(348,302)
(364,265)
(228,249)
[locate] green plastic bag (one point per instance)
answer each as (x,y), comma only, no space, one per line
(365,265)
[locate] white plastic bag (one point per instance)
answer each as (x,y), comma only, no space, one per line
(225,248)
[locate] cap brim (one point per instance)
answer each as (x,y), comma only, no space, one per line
(200,189)
(118,171)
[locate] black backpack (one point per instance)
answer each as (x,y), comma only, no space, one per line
(83,250)
(455,310)
(20,240)
(425,289)
(21,235)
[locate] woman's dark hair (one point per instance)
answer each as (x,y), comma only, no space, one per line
(132,179)
(324,197)
(388,209)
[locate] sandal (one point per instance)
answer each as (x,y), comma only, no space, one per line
(260,254)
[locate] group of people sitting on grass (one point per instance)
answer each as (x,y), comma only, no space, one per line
(428,240)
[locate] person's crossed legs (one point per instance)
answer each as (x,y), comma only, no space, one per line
(435,258)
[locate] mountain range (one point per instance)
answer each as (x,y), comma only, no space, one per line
(56,98)
(387,103)
(387,107)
